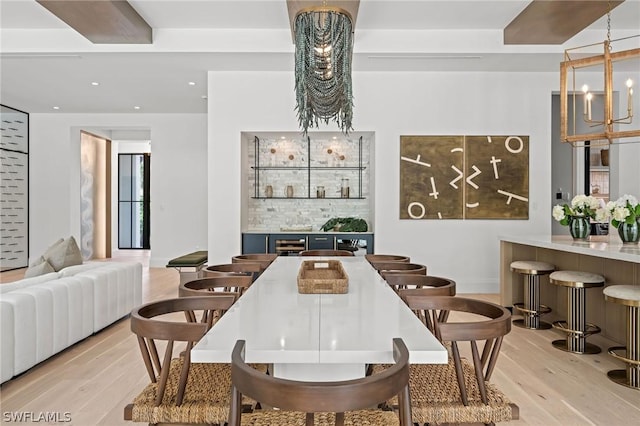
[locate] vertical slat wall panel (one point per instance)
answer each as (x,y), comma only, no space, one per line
(14,188)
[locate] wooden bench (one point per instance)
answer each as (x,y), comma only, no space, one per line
(189,265)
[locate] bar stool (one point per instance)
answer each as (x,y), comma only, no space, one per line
(576,325)
(628,295)
(531,309)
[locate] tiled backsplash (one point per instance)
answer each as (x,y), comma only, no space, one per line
(274,214)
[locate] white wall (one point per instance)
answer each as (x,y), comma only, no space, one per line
(394,104)
(178,178)
(626,157)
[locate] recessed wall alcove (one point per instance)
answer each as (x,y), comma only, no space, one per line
(305,165)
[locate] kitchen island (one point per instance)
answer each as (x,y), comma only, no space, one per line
(600,254)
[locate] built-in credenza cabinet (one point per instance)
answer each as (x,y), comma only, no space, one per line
(292,243)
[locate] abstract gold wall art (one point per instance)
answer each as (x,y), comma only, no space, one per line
(464,177)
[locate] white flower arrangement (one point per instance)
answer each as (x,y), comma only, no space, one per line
(624,209)
(581,206)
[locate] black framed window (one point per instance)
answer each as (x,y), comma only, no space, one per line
(134,201)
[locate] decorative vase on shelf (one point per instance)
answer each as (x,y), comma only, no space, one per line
(604,157)
(579,227)
(629,233)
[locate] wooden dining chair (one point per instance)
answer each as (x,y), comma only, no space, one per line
(252,269)
(220,286)
(234,285)
(399,268)
(387,258)
(264,259)
(340,403)
(326,253)
(179,391)
(459,391)
(423,284)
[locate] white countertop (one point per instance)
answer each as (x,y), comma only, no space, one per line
(606,246)
(282,326)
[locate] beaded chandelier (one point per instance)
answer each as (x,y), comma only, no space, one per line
(323,38)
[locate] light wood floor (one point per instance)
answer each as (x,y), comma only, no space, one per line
(94,379)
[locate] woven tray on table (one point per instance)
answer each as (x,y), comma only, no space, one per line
(322,276)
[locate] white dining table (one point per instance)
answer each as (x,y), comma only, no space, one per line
(319,337)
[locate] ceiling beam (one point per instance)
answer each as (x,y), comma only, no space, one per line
(295,6)
(554,22)
(102,21)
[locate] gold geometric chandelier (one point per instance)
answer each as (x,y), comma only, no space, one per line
(323,37)
(601,127)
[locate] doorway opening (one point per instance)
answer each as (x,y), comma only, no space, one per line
(95,196)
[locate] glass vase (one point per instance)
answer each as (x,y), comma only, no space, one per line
(629,233)
(579,227)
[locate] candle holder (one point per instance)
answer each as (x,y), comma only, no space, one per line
(344,188)
(604,127)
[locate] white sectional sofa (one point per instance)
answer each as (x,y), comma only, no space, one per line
(43,315)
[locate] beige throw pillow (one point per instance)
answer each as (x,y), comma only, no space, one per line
(48,251)
(64,254)
(39,267)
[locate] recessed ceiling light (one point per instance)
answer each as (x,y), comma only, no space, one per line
(95,83)
(136,107)
(56,107)
(192,83)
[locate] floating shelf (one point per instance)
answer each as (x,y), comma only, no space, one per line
(315,171)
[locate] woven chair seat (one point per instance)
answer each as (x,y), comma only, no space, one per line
(207,398)
(292,418)
(435,396)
